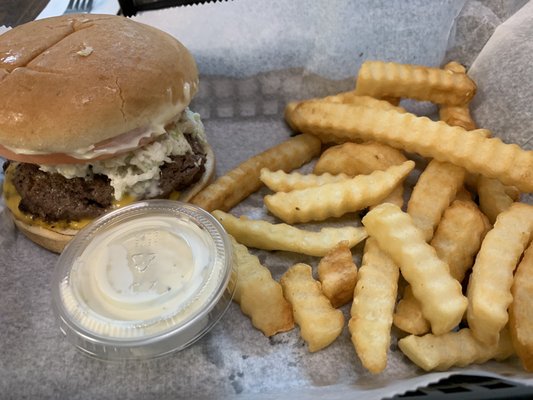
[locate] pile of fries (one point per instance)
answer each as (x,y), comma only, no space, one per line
(459,250)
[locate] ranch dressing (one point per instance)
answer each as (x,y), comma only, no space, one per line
(141,277)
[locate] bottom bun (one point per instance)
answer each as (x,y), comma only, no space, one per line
(56,239)
(49,239)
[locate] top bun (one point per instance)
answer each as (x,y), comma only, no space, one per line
(69,82)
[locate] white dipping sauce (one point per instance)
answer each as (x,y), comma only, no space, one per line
(142,277)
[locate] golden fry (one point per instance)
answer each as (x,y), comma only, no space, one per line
(267,236)
(443,303)
(346,98)
(456,115)
(362,159)
(463,194)
(454,349)
(336,199)
(280,181)
(338,275)
(239,183)
(459,235)
(260,296)
(372,307)
(365,101)
(521,312)
(408,315)
(435,189)
(358,159)
(494,197)
(456,241)
(487,156)
(379,79)
(489,287)
(320,324)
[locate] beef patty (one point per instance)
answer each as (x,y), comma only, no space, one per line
(53,197)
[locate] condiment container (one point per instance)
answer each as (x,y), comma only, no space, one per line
(144,280)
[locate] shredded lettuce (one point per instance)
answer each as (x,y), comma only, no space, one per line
(137,173)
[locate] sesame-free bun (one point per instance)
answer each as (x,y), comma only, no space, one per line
(55,239)
(69,82)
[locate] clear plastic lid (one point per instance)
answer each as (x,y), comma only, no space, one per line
(144,280)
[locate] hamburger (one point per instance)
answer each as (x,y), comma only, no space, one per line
(93,116)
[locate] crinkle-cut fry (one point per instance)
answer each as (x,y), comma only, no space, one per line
(267,236)
(435,189)
(259,295)
(358,158)
(280,181)
(320,324)
(349,98)
(443,303)
(372,307)
(362,158)
(495,197)
(408,315)
(489,286)
(240,182)
(453,349)
(395,101)
(366,101)
(487,156)
(337,273)
(459,235)
(380,79)
(457,240)
(455,67)
(521,311)
(343,98)
(456,115)
(463,195)
(336,199)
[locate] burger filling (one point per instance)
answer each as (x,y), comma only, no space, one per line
(79,191)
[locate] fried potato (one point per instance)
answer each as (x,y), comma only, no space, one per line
(362,158)
(487,156)
(336,199)
(459,235)
(464,195)
(380,79)
(366,101)
(409,316)
(372,307)
(347,98)
(489,286)
(456,241)
(521,312)
(494,197)
(239,183)
(456,115)
(435,189)
(259,295)
(320,324)
(443,303)
(358,159)
(454,349)
(280,181)
(267,236)
(337,273)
